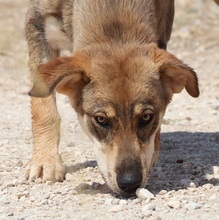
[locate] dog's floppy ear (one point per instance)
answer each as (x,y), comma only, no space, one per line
(174,74)
(67,75)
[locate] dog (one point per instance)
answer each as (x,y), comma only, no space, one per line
(119,80)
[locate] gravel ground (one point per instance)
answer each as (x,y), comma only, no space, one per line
(185,182)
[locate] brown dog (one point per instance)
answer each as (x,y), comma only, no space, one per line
(119,81)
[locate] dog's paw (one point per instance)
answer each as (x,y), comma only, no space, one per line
(49,168)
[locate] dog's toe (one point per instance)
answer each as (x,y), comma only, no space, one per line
(47,169)
(53,172)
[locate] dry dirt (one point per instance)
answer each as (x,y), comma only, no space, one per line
(185,182)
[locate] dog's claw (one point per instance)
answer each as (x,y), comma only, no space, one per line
(47,169)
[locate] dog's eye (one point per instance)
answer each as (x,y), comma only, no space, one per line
(146,119)
(101,120)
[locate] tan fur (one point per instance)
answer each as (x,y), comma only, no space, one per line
(217,1)
(119,80)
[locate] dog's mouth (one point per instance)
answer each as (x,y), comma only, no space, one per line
(126,182)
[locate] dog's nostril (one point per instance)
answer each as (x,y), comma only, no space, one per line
(129,182)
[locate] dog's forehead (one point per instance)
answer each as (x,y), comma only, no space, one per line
(120,80)
(124,73)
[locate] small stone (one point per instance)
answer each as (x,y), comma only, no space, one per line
(8,183)
(44,202)
(192,185)
(171,192)
(147,201)
(162,192)
(22,181)
(48,183)
(69,177)
(175,204)
(22,194)
(136,201)
(52,196)
(116,208)
(207,186)
(192,206)
(115,201)
(15,182)
(123,202)
(46,196)
(150,207)
(3,199)
(108,201)
(88,216)
(22,198)
(19,164)
(146,213)
(74,192)
(144,194)
(214,197)
(215,170)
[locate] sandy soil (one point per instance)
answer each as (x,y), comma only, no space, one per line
(185,182)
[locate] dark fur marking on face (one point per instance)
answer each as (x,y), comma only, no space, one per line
(161,45)
(113,30)
(145,132)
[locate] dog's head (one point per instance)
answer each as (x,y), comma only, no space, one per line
(120,95)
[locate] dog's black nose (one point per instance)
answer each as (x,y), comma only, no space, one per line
(128,182)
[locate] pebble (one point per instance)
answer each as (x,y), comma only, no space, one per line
(22,198)
(146,213)
(108,201)
(8,183)
(123,202)
(136,201)
(116,208)
(192,185)
(69,177)
(162,192)
(207,186)
(22,194)
(19,163)
(215,170)
(175,204)
(44,202)
(214,197)
(192,206)
(115,201)
(144,194)
(151,207)
(48,183)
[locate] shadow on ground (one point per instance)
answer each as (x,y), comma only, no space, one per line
(183,155)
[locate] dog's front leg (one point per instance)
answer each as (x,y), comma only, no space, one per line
(45,162)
